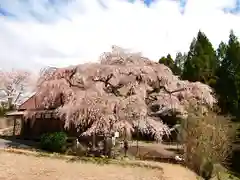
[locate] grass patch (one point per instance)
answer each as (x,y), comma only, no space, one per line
(223,174)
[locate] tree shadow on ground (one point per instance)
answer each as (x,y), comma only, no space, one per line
(17,142)
(154,154)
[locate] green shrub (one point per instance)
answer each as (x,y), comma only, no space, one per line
(55,142)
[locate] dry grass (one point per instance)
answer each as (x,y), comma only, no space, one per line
(207,141)
(19,167)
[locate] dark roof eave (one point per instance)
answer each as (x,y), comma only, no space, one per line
(15,113)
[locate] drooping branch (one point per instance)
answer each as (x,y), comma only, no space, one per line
(119,92)
(69,80)
(108,86)
(157,87)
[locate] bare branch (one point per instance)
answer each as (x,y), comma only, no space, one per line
(14,83)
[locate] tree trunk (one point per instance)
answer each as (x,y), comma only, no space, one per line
(138,138)
(93,141)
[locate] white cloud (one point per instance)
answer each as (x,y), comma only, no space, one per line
(91,29)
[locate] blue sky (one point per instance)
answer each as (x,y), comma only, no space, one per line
(34,33)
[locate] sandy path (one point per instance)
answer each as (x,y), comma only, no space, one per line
(22,167)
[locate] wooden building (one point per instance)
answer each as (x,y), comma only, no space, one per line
(38,121)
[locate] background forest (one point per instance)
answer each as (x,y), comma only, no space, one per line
(219,68)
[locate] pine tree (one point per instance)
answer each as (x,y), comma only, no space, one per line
(201,61)
(221,52)
(179,62)
(168,61)
(228,84)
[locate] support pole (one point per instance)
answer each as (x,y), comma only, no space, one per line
(137,154)
(14,126)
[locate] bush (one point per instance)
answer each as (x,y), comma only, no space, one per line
(54,142)
(207,141)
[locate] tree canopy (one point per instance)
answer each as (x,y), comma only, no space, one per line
(14,85)
(123,91)
(228,84)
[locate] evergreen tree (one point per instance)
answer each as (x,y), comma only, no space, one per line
(201,61)
(168,61)
(179,62)
(228,84)
(221,52)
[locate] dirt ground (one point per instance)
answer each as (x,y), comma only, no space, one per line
(154,150)
(22,167)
